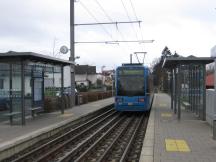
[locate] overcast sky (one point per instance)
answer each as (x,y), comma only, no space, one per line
(185,26)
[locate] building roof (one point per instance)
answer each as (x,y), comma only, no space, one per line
(85,69)
(33,57)
(172,62)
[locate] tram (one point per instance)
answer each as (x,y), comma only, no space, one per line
(134,88)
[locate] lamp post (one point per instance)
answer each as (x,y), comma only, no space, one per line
(103,79)
(72,52)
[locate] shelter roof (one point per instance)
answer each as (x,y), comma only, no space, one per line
(33,57)
(172,62)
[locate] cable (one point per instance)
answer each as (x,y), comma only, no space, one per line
(134,11)
(109,18)
(89,12)
(132,6)
(129,18)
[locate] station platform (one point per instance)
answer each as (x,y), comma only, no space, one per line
(171,140)
(11,135)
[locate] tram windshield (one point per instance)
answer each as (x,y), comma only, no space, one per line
(131,85)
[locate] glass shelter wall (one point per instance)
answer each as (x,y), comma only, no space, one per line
(16,90)
(39,81)
(4,90)
(10,91)
(188,88)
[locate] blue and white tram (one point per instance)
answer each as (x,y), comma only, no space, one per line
(134,88)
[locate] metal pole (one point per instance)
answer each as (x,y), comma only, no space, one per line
(11,87)
(62,88)
(175,91)
(72,54)
(179,92)
(195,89)
(131,58)
(204,93)
(171,86)
(23,91)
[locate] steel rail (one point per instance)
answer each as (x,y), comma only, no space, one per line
(74,138)
(68,156)
(108,150)
(90,149)
(57,140)
(129,145)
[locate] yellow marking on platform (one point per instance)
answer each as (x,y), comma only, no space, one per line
(166,115)
(67,114)
(175,145)
(182,146)
(171,145)
(162,105)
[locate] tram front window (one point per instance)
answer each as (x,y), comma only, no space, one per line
(130,86)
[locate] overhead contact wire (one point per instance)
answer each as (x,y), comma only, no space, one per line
(89,12)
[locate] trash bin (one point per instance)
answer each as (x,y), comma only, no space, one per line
(80,99)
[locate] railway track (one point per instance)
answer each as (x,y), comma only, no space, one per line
(111,136)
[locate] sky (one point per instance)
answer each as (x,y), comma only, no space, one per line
(43,26)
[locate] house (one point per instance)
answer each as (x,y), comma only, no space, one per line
(108,77)
(85,75)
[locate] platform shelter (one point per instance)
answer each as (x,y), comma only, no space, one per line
(187,83)
(25,79)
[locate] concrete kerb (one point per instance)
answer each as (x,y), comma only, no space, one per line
(16,145)
(147,153)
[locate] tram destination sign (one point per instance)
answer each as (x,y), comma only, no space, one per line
(131,72)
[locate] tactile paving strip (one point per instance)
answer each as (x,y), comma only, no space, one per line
(176,145)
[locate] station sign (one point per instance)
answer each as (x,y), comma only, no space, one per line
(131,72)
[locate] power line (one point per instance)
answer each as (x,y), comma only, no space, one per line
(134,11)
(129,18)
(110,19)
(108,23)
(89,12)
(132,6)
(116,42)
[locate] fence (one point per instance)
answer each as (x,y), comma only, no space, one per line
(54,103)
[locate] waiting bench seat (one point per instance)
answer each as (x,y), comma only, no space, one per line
(186,105)
(34,109)
(12,113)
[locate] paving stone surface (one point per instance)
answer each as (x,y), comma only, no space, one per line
(197,134)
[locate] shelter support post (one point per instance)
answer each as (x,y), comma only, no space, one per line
(175,91)
(62,89)
(204,92)
(171,90)
(23,91)
(179,92)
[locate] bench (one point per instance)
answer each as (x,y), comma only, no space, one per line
(34,109)
(11,114)
(186,105)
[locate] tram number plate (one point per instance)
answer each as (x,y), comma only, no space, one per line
(130,103)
